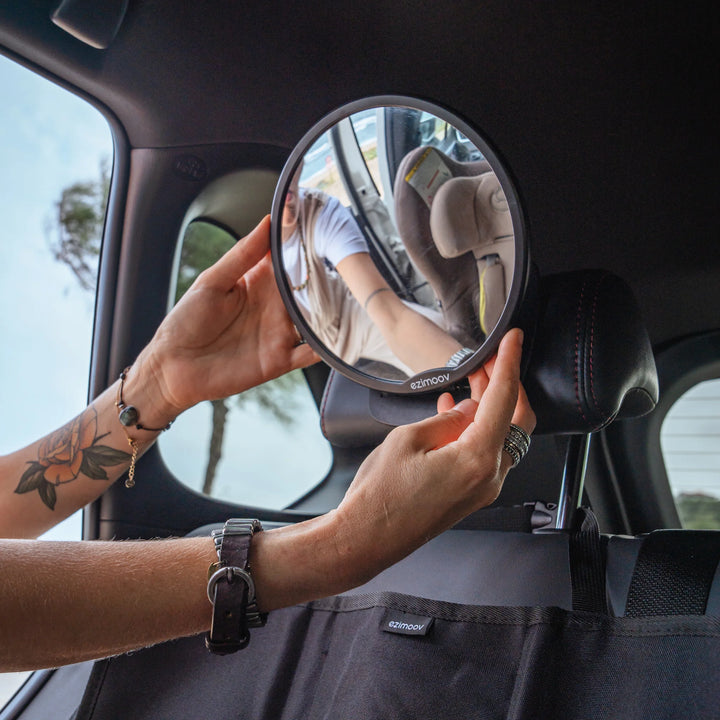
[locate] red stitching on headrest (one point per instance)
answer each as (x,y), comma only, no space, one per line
(592,341)
(577,351)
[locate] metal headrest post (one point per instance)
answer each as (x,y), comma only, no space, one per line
(573,480)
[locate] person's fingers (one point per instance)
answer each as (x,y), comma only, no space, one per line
(478,383)
(445,402)
(524,415)
(498,402)
(507,396)
(302,356)
(245,254)
(441,429)
(489,365)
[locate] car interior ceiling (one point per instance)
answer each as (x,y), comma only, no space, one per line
(601,116)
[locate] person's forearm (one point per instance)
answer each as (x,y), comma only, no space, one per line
(47,481)
(415,339)
(66,602)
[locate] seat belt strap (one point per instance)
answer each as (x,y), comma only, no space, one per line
(587,564)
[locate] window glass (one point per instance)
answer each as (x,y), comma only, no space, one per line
(690,441)
(263,447)
(55,153)
(365,126)
(321,171)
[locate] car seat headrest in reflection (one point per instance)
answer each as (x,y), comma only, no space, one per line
(590,363)
(471,215)
(454,280)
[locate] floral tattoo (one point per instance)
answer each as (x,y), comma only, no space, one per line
(70,451)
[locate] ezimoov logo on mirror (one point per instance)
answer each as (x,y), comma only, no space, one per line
(430,381)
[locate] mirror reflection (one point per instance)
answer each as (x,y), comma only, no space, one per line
(397,242)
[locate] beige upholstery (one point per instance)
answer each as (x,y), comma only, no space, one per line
(455,222)
(454,280)
(471,215)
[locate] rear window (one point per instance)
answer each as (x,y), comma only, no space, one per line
(690,441)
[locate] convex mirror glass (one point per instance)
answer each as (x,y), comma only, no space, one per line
(398,244)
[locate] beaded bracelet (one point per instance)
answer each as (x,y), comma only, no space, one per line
(129,415)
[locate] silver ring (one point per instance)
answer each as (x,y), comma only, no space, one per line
(516,443)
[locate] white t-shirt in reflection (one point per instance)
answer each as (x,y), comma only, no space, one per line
(336,236)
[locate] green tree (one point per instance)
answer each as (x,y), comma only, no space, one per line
(78,223)
(699,511)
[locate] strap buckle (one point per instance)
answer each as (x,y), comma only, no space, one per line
(218,572)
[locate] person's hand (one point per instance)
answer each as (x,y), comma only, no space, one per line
(427,476)
(229,332)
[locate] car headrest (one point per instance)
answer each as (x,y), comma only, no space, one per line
(591,359)
(470,216)
(589,362)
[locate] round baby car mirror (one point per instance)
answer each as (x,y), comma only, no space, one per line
(398,244)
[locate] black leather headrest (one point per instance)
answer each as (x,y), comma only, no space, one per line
(589,361)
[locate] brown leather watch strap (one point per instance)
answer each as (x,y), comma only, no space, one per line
(231,589)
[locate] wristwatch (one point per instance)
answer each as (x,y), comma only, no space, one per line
(231,589)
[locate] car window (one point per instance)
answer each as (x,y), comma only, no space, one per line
(263,447)
(55,154)
(690,441)
(320,169)
(365,126)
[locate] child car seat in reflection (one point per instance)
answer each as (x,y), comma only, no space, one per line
(454,280)
(471,215)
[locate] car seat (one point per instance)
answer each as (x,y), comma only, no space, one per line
(453,279)
(470,216)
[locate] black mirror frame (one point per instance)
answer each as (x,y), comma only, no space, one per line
(434,379)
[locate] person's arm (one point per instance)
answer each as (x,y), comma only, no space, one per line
(415,339)
(66,602)
(229,332)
